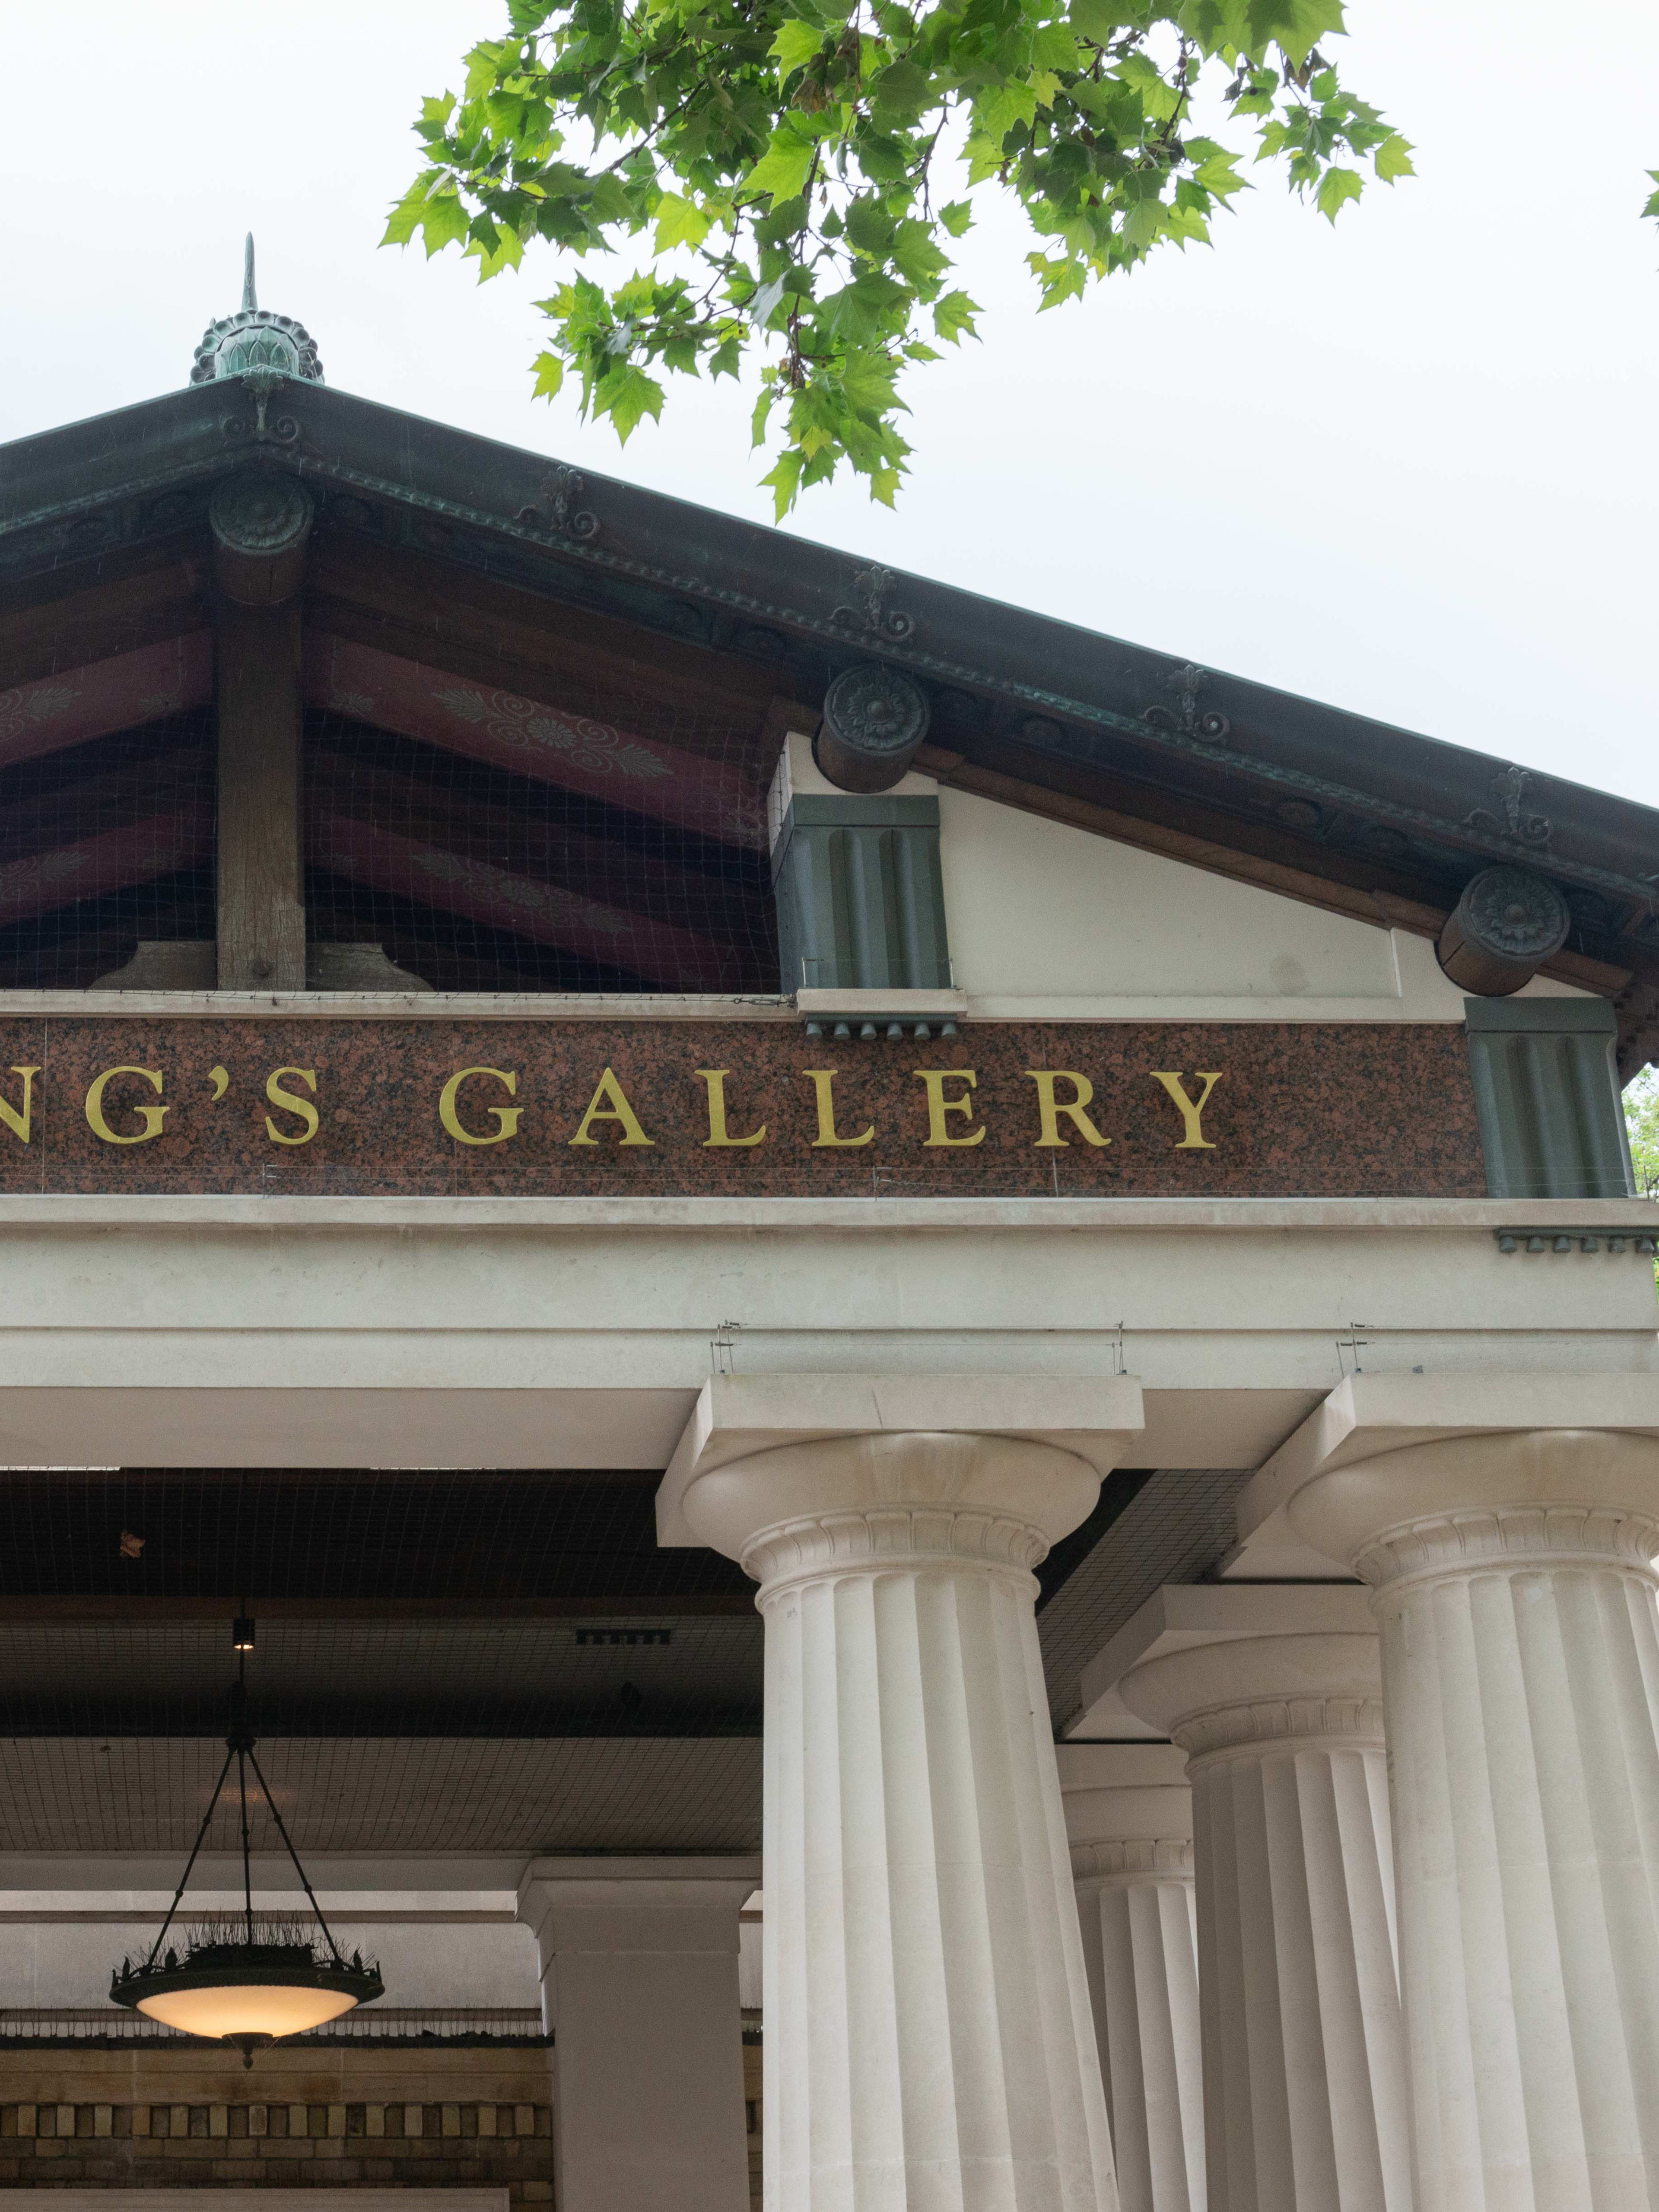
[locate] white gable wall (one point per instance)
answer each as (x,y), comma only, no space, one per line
(1051,922)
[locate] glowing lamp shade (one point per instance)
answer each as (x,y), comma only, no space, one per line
(247,2009)
(251,1993)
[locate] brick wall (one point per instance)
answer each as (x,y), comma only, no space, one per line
(292,2124)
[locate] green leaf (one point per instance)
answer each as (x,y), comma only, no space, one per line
(405,216)
(1336,188)
(785,480)
(482,69)
(679,222)
(626,394)
(795,45)
(916,257)
(859,310)
(903,87)
(953,317)
(782,170)
(1100,21)
(1393,158)
(443,222)
(999,112)
(549,375)
(957,216)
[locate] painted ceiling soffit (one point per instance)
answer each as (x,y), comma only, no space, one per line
(1235,748)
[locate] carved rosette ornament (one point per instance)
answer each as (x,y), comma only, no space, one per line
(261,521)
(874,720)
(1508,922)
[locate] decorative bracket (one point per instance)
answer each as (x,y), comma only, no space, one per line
(1186,720)
(260,384)
(870,588)
(1509,790)
(562,488)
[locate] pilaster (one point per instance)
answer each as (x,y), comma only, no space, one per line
(639,1961)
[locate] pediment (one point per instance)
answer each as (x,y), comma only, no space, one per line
(488,606)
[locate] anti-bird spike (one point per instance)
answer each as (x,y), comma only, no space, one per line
(249,300)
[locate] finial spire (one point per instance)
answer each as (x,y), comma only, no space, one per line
(255,339)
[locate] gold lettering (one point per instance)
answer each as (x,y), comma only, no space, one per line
(939,1105)
(1191,1110)
(507,1117)
(1050,1109)
(715,1079)
(617,1110)
(151,1116)
(302,1108)
(17,1122)
(824,1082)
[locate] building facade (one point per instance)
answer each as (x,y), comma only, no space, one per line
(919,1348)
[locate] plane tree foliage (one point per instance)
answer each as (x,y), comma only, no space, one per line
(784,184)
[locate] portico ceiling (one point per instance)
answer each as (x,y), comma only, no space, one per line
(473,1662)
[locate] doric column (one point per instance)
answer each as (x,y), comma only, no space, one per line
(1516,1599)
(639,1962)
(1304,2077)
(929,2036)
(1129,1816)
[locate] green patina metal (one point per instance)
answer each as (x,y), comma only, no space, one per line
(255,340)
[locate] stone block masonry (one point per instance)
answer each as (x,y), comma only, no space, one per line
(371,2118)
(439,2145)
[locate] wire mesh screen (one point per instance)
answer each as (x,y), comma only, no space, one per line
(474,878)
(580,826)
(105,845)
(572,817)
(495,1539)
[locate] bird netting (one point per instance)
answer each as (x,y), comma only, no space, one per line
(586,821)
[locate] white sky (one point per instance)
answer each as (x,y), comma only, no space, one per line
(1408,465)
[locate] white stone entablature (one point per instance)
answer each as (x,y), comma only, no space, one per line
(534,1333)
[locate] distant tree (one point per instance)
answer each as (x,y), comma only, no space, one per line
(1642,1125)
(796,173)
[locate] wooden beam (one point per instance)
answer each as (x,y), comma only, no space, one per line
(428,599)
(43,638)
(262,910)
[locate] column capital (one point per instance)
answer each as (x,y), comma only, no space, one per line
(1132,1864)
(1128,1812)
(792,1433)
(1396,1474)
(1184,1615)
(799,1476)
(554,1890)
(1254,1694)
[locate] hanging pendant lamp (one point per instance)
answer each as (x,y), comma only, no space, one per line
(271,1978)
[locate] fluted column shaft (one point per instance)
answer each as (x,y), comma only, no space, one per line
(1129,1814)
(929,2040)
(1304,2075)
(1516,1605)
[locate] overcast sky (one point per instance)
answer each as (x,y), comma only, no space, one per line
(1406,465)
